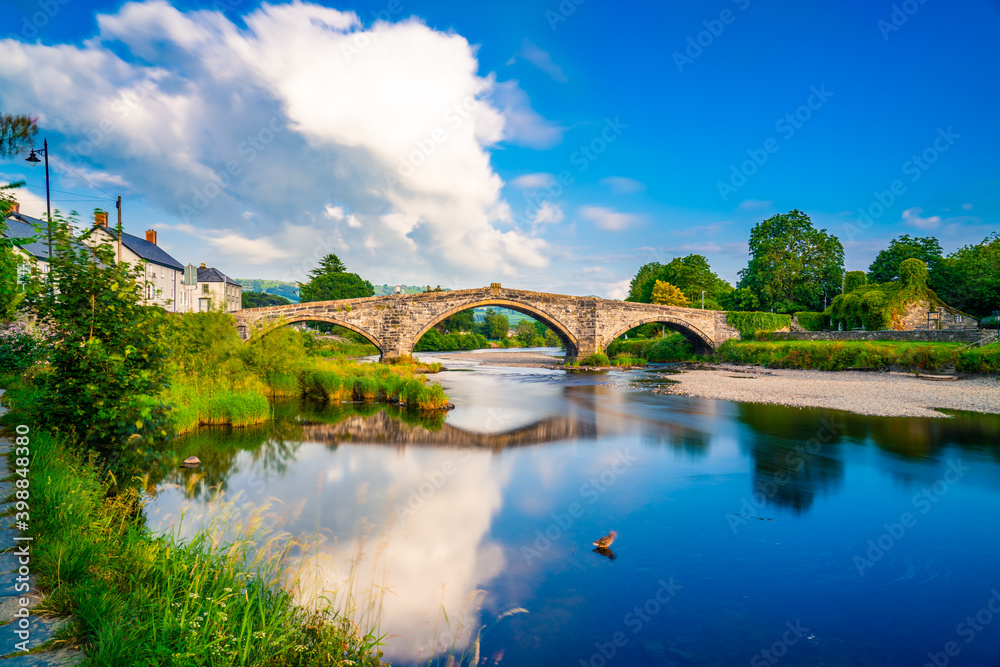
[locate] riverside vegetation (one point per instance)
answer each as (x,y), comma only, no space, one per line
(104,383)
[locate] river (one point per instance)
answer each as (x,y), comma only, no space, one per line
(746,534)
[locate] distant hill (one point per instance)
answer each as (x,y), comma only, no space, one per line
(513,316)
(280,287)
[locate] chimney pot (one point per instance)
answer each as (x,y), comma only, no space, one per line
(150,235)
(16,209)
(101,218)
(203,265)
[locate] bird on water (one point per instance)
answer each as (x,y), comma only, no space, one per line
(606,541)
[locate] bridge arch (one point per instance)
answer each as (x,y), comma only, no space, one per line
(273,325)
(692,333)
(569,341)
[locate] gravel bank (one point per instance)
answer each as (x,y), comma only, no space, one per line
(505,358)
(866,393)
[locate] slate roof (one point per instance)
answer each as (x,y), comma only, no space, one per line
(213,275)
(23,226)
(146,250)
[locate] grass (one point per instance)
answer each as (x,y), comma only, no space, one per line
(839,355)
(670,348)
(140,599)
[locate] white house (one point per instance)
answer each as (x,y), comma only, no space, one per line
(36,252)
(216,289)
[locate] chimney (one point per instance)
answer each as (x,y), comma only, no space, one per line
(150,235)
(203,265)
(101,218)
(16,207)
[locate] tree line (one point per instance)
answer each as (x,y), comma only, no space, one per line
(795,267)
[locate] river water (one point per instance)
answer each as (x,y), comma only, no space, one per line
(747,534)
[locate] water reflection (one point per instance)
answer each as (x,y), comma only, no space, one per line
(444,524)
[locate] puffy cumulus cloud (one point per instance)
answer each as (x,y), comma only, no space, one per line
(298,133)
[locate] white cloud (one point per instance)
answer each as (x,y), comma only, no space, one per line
(548,213)
(911,217)
(966,207)
(754,204)
(608,219)
(622,185)
(534,181)
(541,59)
(211,120)
(618,290)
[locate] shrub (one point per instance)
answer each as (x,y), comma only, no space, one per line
(984,359)
(748,323)
(812,321)
(20,347)
(596,359)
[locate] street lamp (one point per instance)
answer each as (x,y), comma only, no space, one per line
(703,299)
(33,160)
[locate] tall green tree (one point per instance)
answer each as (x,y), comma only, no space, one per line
(17,132)
(497,325)
(691,274)
(885,268)
(792,264)
(330,281)
(108,364)
(969,278)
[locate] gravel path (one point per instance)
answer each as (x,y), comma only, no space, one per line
(862,392)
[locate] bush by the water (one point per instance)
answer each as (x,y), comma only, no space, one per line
(434,341)
(839,355)
(984,359)
(670,348)
(596,359)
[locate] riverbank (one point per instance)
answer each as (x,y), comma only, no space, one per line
(509,357)
(861,392)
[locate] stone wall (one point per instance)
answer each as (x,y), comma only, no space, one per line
(943,336)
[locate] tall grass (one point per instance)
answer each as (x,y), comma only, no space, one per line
(218,598)
(838,355)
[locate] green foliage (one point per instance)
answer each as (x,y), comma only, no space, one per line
(969,278)
(626,360)
(20,347)
(330,281)
(666,294)
(433,341)
(878,306)
(17,133)
(11,291)
(596,359)
(885,268)
(751,323)
(854,280)
(792,264)
(670,348)
(527,334)
(838,355)
(108,360)
(690,274)
(984,359)
(497,325)
(263,299)
(812,321)
(463,321)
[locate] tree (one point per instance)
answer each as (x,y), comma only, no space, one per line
(527,334)
(885,268)
(854,279)
(330,281)
(691,274)
(667,295)
(108,363)
(11,290)
(263,299)
(792,264)
(17,132)
(969,278)
(461,321)
(497,325)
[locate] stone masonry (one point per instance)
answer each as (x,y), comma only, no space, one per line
(585,324)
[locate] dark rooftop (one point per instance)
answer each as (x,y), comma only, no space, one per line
(213,275)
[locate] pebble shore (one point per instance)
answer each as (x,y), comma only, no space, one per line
(861,392)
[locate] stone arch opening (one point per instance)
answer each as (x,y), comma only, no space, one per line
(702,343)
(569,341)
(273,325)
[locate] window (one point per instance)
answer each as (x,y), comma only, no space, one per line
(204,288)
(204,305)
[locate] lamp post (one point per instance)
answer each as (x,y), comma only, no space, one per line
(33,160)
(703,299)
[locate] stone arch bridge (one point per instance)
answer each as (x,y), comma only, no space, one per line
(585,324)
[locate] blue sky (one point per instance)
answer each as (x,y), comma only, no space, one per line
(431,148)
